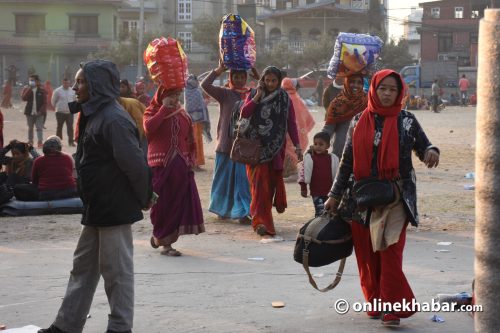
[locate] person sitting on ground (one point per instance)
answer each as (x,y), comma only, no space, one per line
(18,167)
(53,173)
(318,170)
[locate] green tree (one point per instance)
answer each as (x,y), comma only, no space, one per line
(317,52)
(124,52)
(206,33)
(395,55)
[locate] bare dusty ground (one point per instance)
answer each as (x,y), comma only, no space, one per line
(215,288)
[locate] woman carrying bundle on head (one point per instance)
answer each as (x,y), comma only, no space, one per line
(268,115)
(169,131)
(348,103)
(230,195)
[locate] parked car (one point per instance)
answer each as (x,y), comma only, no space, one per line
(309,81)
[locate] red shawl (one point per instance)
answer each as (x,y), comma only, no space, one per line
(364,133)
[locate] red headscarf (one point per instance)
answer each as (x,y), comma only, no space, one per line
(364,133)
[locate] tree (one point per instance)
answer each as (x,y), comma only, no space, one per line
(124,52)
(317,52)
(206,33)
(395,55)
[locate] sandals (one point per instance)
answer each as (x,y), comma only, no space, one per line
(247,220)
(261,230)
(171,253)
(153,244)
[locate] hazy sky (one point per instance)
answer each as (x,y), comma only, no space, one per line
(400,9)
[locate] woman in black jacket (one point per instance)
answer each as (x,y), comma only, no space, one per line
(379,145)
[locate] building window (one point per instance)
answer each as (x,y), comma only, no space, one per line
(435,12)
(473,38)
(184,10)
(84,25)
(445,42)
(265,3)
(474,14)
(185,40)
(130,26)
(459,12)
(30,24)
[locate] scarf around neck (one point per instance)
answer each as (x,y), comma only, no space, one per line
(346,104)
(269,123)
(364,133)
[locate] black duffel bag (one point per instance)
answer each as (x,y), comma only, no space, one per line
(322,241)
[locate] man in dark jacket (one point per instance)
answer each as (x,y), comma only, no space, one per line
(36,108)
(114,183)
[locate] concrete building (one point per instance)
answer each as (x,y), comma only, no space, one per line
(53,36)
(299,21)
(411,24)
(450,28)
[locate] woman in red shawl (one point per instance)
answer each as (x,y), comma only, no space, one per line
(305,123)
(348,103)
(383,138)
(171,151)
(7,95)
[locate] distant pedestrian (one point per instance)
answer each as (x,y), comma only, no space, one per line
(36,108)
(319,91)
(115,184)
(141,95)
(7,95)
(464,85)
(61,97)
(435,96)
(126,89)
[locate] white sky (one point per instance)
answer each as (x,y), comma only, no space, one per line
(400,9)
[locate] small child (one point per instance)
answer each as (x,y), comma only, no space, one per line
(318,170)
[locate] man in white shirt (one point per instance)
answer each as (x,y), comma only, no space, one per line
(60,99)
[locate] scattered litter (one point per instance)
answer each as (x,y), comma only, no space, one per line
(25,329)
(319,275)
(444,243)
(463,298)
(89,316)
(2,327)
(469,187)
(278,304)
(256,258)
(470,175)
(272,239)
(437,319)
(440,250)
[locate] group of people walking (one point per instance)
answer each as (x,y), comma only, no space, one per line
(371,135)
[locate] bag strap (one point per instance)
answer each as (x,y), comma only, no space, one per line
(305,264)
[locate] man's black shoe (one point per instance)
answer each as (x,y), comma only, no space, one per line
(51,329)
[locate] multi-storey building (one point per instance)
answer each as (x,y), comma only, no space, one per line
(411,25)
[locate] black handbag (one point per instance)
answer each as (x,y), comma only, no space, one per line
(322,241)
(372,192)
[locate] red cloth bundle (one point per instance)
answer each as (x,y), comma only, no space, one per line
(166,63)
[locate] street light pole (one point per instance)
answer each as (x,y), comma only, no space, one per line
(139,43)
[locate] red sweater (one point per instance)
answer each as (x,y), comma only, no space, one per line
(53,172)
(169,133)
(321,178)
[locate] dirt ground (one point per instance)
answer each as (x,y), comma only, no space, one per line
(32,247)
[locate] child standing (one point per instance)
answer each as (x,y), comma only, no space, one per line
(318,170)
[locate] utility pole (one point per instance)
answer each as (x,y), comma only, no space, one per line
(139,44)
(487,231)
